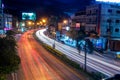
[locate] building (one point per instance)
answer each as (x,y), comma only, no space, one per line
(93,18)
(103,18)
(8,22)
(1,18)
(79,20)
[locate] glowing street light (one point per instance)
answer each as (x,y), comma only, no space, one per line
(65,21)
(43,20)
(33,23)
(23,24)
(38,23)
(29,23)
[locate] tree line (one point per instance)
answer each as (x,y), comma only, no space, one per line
(9,60)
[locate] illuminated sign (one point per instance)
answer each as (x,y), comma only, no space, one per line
(28,16)
(113,1)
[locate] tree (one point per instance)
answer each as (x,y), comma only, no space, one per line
(77,35)
(9,60)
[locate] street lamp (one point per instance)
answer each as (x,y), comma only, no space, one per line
(43,20)
(54,40)
(38,23)
(23,24)
(65,22)
(29,23)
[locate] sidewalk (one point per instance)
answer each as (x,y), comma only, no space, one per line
(110,54)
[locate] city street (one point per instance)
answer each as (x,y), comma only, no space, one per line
(38,64)
(102,64)
(59,39)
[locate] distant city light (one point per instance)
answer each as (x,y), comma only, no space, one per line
(22,29)
(3,5)
(113,1)
(43,20)
(7,28)
(23,24)
(29,23)
(65,21)
(67,28)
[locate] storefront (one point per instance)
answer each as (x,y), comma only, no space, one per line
(115,45)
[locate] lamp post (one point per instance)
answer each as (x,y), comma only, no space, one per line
(54,39)
(44,22)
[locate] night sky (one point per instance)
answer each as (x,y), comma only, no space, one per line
(46,6)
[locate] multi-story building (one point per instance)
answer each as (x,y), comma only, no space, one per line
(104,19)
(7,22)
(79,20)
(93,18)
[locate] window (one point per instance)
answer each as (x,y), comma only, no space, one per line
(117,21)
(110,10)
(116,30)
(109,20)
(118,12)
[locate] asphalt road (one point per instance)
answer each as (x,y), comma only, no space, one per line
(38,64)
(99,63)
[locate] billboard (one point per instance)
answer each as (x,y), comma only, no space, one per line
(113,1)
(28,16)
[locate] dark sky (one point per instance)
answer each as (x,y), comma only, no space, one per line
(45,6)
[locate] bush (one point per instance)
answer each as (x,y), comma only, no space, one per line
(2,77)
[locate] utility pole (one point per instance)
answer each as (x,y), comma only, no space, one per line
(85,61)
(109,34)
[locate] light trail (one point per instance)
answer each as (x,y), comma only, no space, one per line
(38,64)
(97,63)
